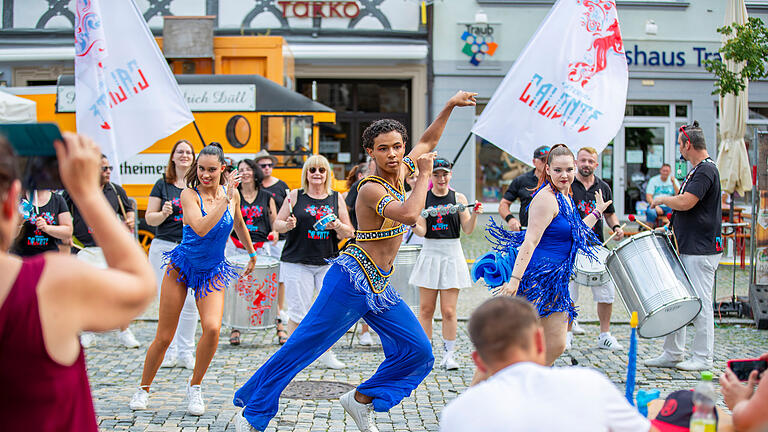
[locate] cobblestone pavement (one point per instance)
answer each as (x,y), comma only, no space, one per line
(115,372)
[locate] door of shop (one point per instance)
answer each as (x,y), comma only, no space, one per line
(641,148)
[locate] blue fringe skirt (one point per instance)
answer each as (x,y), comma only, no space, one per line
(202,277)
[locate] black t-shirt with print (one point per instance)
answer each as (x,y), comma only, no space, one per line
(81,231)
(698,229)
(277,191)
(256,216)
(585,200)
(32,241)
(171,229)
(305,244)
(521,187)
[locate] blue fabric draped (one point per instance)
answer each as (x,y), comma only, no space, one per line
(545,281)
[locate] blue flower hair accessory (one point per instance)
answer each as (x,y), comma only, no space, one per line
(495,268)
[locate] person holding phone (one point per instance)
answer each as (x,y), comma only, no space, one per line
(52,297)
(747,404)
(45,226)
(210,212)
(164,212)
(91,251)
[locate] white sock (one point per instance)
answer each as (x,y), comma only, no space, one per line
(605,334)
(448,345)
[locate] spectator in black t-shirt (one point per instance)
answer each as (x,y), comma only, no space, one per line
(47,224)
(522,188)
(584,186)
(696,221)
(164,212)
(118,200)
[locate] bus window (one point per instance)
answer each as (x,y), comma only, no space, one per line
(287,137)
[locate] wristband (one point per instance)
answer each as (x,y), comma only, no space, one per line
(252,254)
(508,217)
(597,214)
(615,226)
(519,279)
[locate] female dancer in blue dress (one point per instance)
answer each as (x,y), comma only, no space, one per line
(544,255)
(198,263)
(357,285)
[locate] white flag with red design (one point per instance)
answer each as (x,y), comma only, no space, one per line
(569,84)
(126,97)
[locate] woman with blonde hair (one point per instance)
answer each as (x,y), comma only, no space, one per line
(164,212)
(315,217)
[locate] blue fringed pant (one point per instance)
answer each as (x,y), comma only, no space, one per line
(339,305)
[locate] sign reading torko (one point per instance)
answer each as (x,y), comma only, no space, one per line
(479,41)
(319,8)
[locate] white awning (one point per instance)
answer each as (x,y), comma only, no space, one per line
(14,109)
(37,54)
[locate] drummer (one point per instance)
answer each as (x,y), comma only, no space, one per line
(258,209)
(277,188)
(585,185)
(696,223)
(441,269)
(118,200)
(164,212)
(308,246)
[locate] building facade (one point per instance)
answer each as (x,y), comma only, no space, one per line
(666,42)
(367,59)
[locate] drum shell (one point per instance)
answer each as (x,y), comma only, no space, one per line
(651,280)
(93,255)
(590,273)
(404,262)
(250,302)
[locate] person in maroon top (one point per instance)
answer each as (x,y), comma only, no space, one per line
(47,300)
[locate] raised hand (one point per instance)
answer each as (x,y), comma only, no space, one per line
(233,180)
(464,98)
(79,164)
(601,205)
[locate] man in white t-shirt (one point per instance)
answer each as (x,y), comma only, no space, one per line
(522,394)
(660,185)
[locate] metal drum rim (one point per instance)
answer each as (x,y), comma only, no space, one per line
(652,313)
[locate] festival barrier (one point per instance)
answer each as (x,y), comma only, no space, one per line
(651,280)
(250,302)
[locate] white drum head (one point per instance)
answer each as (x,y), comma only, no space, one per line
(587,265)
(669,318)
(262,261)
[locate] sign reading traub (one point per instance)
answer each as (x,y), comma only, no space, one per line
(478,41)
(319,8)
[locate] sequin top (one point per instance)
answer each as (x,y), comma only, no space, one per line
(389,228)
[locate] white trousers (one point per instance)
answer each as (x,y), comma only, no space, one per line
(184,339)
(302,284)
(701,270)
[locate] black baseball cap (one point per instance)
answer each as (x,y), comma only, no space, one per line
(441,164)
(541,152)
(675,414)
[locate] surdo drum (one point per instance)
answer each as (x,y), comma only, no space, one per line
(250,302)
(651,280)
(404,262)
(590,272)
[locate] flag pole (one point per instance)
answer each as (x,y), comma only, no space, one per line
(462,148)
(198,132)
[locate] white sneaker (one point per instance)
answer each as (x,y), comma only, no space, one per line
(196,405)
(664,360)
(87,339)
(128,339)
(569,340)
(365,339)
(169,361)
(241,424)
(576,328)
(361,413)
(187,360)
(139,400)
(694,364)
(448,362)
(607,341)
(329,360)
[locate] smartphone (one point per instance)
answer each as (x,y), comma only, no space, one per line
(36,155)
(743,367)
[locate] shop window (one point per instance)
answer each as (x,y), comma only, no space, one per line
(681,111)
(289,138)
(758,113)
(647,110)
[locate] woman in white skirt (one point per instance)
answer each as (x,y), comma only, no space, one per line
(441,267)
(164,212)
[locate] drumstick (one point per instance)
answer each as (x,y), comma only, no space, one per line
(634,219)
(37,204)
(612,235)
(674,237)
(288,197)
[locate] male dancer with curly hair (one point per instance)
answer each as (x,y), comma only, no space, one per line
(357,285)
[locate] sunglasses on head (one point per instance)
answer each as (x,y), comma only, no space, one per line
(107,168)
(441,163)
(312,170)
(266,165)
(682,129)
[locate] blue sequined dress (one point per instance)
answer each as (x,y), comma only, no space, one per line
(545,281)
(199,260)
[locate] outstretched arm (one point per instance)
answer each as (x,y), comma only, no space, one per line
(431,136)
